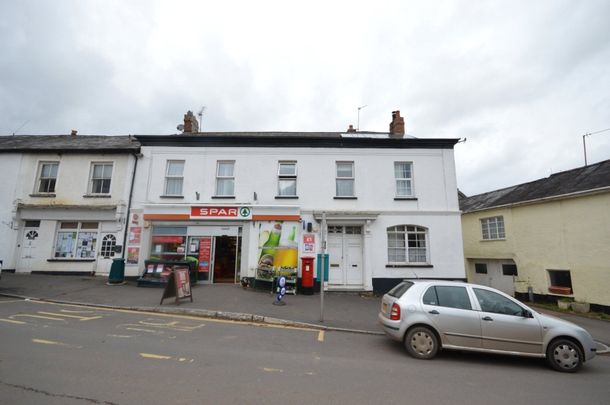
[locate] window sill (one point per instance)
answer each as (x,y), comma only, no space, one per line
(400,266)
(286,197)
(405,198)
(344,198)
(177,197)
(70,260)
(219,197)
(494,240)
(43,195)
(97,196)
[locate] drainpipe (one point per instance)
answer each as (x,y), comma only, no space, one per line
(133,178)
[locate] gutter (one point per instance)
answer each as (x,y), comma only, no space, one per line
(594,191)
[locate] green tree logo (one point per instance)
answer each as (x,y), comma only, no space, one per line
(244,212)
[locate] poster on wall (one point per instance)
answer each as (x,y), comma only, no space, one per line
(278,250)
(309,243)
(135,235)
(205,254)
(133,255)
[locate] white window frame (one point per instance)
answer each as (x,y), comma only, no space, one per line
(40,178)
(92,179)
(222,178)
(169,177)
(492,228)
(341,179)
(285,177)
(399,242)
(70,241)
(408,180)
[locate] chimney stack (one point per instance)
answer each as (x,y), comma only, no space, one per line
(351,129)
(190,123)
(397,126)
(74,132)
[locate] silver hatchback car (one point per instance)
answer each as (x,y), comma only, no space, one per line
(428,316)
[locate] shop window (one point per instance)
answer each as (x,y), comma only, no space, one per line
(108,245)
(345,179)
(76,240)
(403,174)
(480,268)
(407,244)
(47,177)
(101,176)
(225,178)
(509,270)
(169,243)
(31,224)
(287,179)
(561,282)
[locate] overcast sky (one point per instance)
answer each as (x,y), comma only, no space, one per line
(521,80)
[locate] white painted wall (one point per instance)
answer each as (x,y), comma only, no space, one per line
(10,164)
(434,182)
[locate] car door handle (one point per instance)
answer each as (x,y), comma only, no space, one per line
(434,312)
(487,318)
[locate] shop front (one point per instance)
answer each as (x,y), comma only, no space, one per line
(223,243)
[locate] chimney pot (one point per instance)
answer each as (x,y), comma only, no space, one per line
(351,129)
(397,126)
(74,132)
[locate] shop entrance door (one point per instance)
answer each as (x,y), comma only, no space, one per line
(225,259)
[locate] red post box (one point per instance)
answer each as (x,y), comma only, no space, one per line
(307,271)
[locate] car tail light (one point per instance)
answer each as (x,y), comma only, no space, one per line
(395,312)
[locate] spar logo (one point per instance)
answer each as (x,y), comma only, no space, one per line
(221,212)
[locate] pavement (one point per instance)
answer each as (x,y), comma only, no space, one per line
(342,311)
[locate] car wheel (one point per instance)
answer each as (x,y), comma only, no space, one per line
(421,343)
(564,355)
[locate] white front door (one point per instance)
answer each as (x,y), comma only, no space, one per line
(106,253)
(345,256)
(28,247)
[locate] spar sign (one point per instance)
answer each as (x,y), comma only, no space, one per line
(219,212)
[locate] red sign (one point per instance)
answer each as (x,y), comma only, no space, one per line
(205,254)
(221,212)
(309,238)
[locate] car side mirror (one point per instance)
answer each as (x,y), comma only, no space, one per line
(527,314)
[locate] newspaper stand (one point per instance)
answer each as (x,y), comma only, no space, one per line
(178,285)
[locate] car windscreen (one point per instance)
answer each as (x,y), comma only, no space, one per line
(400,289)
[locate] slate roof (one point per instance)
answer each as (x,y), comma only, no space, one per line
(68,144)
(580,180)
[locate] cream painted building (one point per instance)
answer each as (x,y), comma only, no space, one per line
(550,237)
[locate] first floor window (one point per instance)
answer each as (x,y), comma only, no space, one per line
(173,177)
(492,228)
(404,180)
(225,178)
(101,175)
(407,244)
(76,240)
(345,179)
(287,179)
(47,177)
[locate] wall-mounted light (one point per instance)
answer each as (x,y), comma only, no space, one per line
(197,195)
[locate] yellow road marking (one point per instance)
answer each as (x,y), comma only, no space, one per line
(81,318)
(143,330)
(163,357)
(48,342)
(273,370)
(198,318)
(321,336)
(12,321)
(155,356)
(37,316)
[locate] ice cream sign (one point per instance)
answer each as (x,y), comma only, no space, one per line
(218,212)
